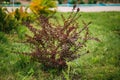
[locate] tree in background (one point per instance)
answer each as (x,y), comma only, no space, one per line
(60,1)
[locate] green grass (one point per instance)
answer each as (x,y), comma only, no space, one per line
(102,63)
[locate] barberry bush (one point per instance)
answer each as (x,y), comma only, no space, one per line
(56,44)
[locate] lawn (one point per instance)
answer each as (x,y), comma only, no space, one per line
(101,63)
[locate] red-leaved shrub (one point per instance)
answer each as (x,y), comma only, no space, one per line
(54,44)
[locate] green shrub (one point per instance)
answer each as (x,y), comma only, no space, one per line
(17,2)
(10,21)
(7,22)
(21,14)
(3,39)
(55,44)
(60,1)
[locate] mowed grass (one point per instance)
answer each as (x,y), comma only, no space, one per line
(101,63)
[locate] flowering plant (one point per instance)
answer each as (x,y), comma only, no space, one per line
(42,6)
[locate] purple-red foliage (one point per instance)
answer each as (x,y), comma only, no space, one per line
(54,44)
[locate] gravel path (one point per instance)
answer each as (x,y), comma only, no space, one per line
(91,9)
(83,9)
